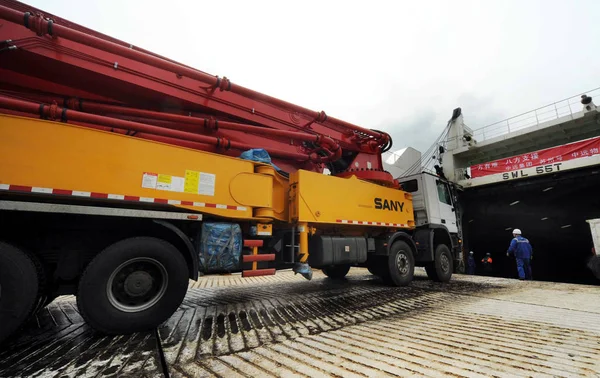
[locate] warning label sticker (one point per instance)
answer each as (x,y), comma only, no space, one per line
(149,180)
(192,178)
(164,182)
(160,181)
(207,184)
(194,182)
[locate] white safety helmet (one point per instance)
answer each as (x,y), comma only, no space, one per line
(516,231)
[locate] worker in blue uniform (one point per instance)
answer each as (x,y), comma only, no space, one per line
(471,264)
(521,249)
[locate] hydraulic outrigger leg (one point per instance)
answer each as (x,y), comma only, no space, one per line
(302,266)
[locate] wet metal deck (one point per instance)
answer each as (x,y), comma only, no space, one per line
(285,326)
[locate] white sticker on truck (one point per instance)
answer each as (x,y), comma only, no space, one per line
(177,184)
(206,184)
(170,183)
(194,182)
(149,180)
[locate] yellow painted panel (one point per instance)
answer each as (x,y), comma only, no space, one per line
(280,189)
(318,198)
(242,188)
(56,155)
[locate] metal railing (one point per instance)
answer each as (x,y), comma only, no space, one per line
(553,111)
(556,110)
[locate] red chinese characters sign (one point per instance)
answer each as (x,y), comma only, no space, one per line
(577,150)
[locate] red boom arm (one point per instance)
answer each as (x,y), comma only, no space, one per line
(93,80)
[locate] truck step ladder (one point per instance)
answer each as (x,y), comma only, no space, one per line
(255,258)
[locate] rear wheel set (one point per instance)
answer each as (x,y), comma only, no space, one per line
(133,285)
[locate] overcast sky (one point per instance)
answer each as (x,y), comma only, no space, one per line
(399,66)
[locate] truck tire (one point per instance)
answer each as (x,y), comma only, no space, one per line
(441,269)
(18,289)
(336,272)
(133,285)
(400,265)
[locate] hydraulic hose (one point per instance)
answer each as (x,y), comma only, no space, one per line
(55,112)
(329,146)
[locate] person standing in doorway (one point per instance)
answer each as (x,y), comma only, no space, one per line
(487,264)
(471,264)
(521,249)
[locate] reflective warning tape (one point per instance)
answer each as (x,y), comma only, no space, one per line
(345,221)
(77,193)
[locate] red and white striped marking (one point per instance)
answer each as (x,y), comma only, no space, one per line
(77,193)
(345,221)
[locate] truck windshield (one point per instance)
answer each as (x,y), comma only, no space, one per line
(443,193)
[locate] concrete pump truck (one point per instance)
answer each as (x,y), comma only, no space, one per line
(124,174)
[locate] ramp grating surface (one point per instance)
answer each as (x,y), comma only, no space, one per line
(285,326)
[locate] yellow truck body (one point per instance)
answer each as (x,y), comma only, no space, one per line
(61,158)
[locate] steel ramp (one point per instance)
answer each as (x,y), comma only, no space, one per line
(58,343)
(283,326)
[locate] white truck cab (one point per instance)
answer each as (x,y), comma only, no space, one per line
(436,211)
(437,219)
(433,201)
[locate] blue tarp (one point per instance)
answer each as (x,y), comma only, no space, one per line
(220,247)
(260,155)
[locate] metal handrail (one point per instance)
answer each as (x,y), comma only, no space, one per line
(553,111)
(550,112)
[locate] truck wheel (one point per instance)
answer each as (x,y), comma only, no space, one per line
(336,272)
(133,285)
(400,265)
(18,289)
(441,269)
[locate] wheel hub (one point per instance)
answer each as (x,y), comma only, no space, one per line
(402,263)
(137,284)
(445,263)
